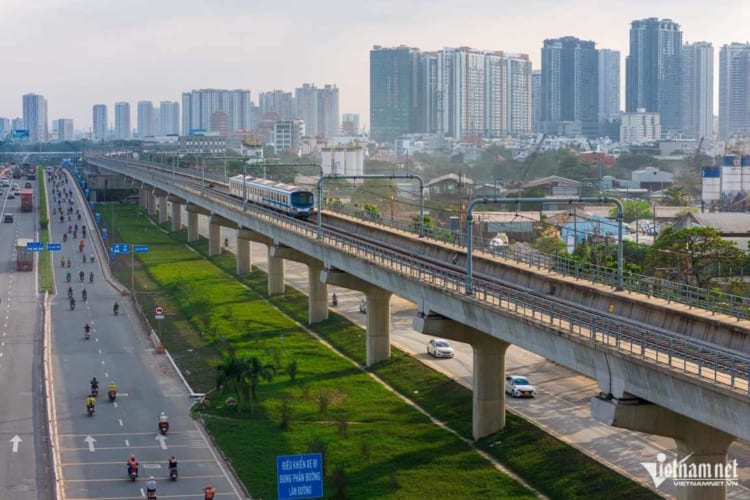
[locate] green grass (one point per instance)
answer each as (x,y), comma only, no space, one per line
(46,283)
(405,455)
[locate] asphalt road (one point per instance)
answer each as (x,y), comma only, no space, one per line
(91,451)
(23,456)
(562,406)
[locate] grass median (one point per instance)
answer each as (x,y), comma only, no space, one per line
(374,445)
(46,283)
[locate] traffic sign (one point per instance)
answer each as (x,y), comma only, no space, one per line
(34,246)
(158,312)
(299,476)
(141,248)
(54,246)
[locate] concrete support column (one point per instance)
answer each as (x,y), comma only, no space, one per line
(176,216)
(142,199)
(488,380)
(151,203)
(163,214)
(317,304)
(244,257)
(378,325)
(214,237)
(275,273)
(192,226)
(697,443)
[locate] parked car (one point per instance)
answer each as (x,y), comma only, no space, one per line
(440,348)
(519,387)
(8,218)
(27,185)
(11,196)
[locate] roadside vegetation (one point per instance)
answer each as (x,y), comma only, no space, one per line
(283,392)
(46,283)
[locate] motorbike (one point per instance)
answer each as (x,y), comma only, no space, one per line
(62,261)
(82,275)
(67,264)
(132,472)
(163,427)
(94,391)
(84,295)
(173,473)
(112,395)
(151,495)
(90,410)
(91,276)
(67,277)
(65,237)
(116,309)
(72,304)
(86,335)
(70,293)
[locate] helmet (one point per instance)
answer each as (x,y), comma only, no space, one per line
(132,457)
(162,414)
(152,477)
(172,458)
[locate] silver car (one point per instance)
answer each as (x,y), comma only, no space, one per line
(440,348)
(519,387)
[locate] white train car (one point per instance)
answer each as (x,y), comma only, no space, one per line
(289,199)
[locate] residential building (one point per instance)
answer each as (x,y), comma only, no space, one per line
(609,84)
(276,103)
(17,124)
(734,89)
(570,85)
(639,127)
(100,121)
(145,119)
(306,107)
(287,135)
(425,101)
(328,111)
(169,118)
(35,117)
(508,94)
(64,129)
(4,127)
(199,105)
(698,90)
(350,124)
(536,100)
(393,78)
(654,70)
(122,121)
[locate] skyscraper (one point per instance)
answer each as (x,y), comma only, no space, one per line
(278,103)
(426,95)
(122,120)
(570,84)
(64,128)
(350,124)
(609,84)
(393,75)
(654,70)
(199,105)
(35,117)
(734,89)
(169,118)
(145,119)
(306,108)
(100,122)
(698,90)
(328,111)
(536,100)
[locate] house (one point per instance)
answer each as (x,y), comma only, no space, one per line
(731,226)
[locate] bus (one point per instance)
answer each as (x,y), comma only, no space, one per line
(24,258)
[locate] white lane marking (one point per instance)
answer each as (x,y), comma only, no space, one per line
(127,443)
(15,440)
(2,344)
(100,351)
(90,442)
(162,441)
(106,375)
(96,339)
(143,493)
(114,403)
(102,362)
(120,420)
(1,354)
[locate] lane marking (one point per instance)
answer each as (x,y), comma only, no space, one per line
(15,440)
(198,446)
(103,434)
(120,420)
(127,443)
(114,403)
(119,462)
(162,441)
(90,442)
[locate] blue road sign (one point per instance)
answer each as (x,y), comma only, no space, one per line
(141,248)
(119,249)
(104,233)
(97,216)
(299,476)
(52,247)
(34,246)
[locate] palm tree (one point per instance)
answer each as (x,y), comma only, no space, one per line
(254,371)
(230,373)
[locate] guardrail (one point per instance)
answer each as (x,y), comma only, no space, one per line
(697,359)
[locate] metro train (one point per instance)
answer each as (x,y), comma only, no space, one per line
(286,198)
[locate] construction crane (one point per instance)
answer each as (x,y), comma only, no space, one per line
(534,151)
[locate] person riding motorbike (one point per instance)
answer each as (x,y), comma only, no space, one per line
(62,261)
(70,292)
(116,308)
(65,237)
(172,467)
(82,275)
(94,383)
(90,403)
(163,422)
(91,276)
(86,331)
(334,300)
(209,492)
(132,467)
(151,487)
(84,295)
(67,277)
(112,391)
(72,303)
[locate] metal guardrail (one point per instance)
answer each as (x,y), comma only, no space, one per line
(694,358)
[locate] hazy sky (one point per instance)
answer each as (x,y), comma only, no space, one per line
(82,52)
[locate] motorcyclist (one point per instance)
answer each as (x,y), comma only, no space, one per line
(163,418)
(84,295)
(209,492)
(94,383)
(163,423)
(90,402)
(334,299)
(65,237)
(72,303)
(150,485)
(112,387)
(132,465)
(67,277)
(84,258)
(91,277)
(62,261)
(172,465)
(70,292)
(82,275)
(116,308)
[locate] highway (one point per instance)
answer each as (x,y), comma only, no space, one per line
(23,451)
(91,451)
(562,406)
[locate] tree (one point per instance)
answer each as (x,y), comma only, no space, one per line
(633,210)
(549,241)
(571,167)
(242,376)
(256,370)
(701,249)
(675,197)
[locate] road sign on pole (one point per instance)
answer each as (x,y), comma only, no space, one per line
(52,247)
(158,312)
(299,476)
(141,248)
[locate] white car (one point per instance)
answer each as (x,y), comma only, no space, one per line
(519,387)
(440,348)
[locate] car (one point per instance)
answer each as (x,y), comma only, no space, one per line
(27,185)
(16,186)
(440,348)
(8,218)
(11,196)
(519,387)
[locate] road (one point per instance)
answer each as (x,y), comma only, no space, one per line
(91,451)
(562,406)
(23,454)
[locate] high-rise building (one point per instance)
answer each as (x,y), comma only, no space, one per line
(306,108)
(653,70)
(393,78)
(169,118)
(145,119)
(100,122)
(17,124)
(507,102)
(570,85)
(698,90)
(122,121)
(4,127)
(35,117)
(536,100)
(734,89)
(64,128)
(639,127)
(426,96)
(609,84)
(287,135)
(328,111)
(350,124)
(276,104)
(199,105)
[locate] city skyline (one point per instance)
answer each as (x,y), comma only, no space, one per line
(230,46)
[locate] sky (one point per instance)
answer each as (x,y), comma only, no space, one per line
(78,53)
